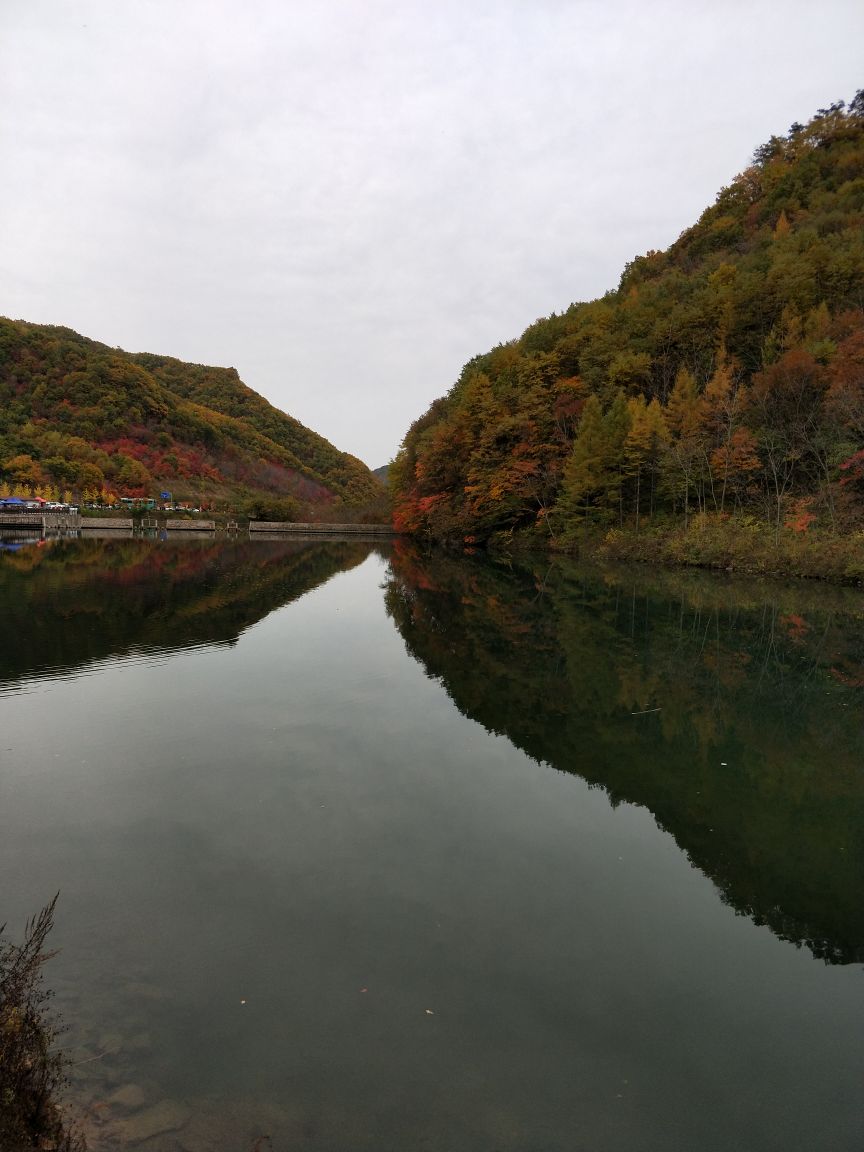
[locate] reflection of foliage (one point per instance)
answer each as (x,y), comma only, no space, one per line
(731,712)
(31,1072)
(64,597)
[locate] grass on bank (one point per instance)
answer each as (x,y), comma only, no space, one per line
(738,544)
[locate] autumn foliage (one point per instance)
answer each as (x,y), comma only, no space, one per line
(723,376)
(81,420)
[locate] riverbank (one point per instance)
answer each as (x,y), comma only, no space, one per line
(742,545)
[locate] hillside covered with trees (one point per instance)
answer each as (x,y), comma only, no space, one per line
(93,422)
(722,381)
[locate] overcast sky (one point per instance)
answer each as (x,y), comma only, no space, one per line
(347,199)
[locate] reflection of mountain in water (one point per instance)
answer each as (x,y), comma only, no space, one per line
(732,712)
(69,603)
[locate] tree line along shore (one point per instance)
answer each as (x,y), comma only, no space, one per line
(710,410)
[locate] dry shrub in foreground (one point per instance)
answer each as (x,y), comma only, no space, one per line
(31,1067)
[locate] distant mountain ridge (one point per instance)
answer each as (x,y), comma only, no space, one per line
(76,415)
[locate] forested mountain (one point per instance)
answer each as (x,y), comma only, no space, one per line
(79,417)
(725,374)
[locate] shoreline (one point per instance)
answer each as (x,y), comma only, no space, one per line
(740,546)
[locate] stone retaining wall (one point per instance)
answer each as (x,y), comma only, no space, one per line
(191,525)
(284,527)
(20,519)
(96,523)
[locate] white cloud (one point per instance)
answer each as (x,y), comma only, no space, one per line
(346,201)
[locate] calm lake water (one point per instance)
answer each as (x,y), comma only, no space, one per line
(365,849)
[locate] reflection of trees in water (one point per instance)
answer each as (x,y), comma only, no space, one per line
(73,602)
(732,711)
